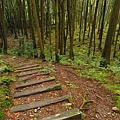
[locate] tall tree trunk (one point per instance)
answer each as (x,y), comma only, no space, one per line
(90,19)
(93,28)
(42,21)
(118,32)
(85,20)
(24,20)
(2,26)
(32,33)
(62,28)
(56,31)
(72,25)
(20,5)
(111,30)
(81,21)
(48,26)
(102,26)
(59,25)
(38,31)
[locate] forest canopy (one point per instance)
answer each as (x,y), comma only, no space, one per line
(52,29)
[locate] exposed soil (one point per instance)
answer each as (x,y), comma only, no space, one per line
(88,95)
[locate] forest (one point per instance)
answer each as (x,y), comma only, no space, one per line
(83,36)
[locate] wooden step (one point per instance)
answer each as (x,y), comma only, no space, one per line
(31,76)
(43,103)
(38,90)
(30,73)
(21,85)
(73,114)
(21,65)
(25,67)
(28,69)
(33,72)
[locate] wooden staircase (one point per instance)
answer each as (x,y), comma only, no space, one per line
(25,74)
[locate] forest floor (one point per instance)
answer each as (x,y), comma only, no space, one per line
(88,95)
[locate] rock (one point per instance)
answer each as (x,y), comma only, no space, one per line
(38,108)
(35,110)
(31,115)
(115,109)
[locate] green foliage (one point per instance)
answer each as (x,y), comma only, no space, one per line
(116,89)
(64,60)
(118,101)
(4,67)
(24,48)
(5,100)
(71,85)
(1,115)
(5,80)
(70,99)
(1,56)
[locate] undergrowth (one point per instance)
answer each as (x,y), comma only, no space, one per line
(24,48)
(5,82)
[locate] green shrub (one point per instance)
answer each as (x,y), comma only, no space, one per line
(24,48)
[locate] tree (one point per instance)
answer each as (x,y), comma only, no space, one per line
(71,17)
(110,34)
(102,26)
(93,28)
(62,28)
(42,20)
(38,30)
(2,27)
(56,31)
(32,33)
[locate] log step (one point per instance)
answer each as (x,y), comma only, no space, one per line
(43,103)
(73,114)
(21,85)
(22,64)
(32,76)
(33,72)
(30,73)
(38,90)
(28,69)
(25,67)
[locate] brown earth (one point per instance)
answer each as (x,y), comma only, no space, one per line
(88,95)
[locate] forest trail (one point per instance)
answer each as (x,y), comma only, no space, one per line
(23,81)
(34,79)
(49,91)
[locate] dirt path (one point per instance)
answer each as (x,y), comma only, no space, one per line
(88,95)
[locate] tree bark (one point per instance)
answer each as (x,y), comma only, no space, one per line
(2,26)
(56,31)
(110,34)
(38,30)
(93,27)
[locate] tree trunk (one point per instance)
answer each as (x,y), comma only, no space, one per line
(42,21)
(38,30)
(2,26)
(62,28)
(32,33)
(102,26)
(24,20)
(116,41)
(56,31)
(93,28)
(72,25)
(85,20)
(111,30)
